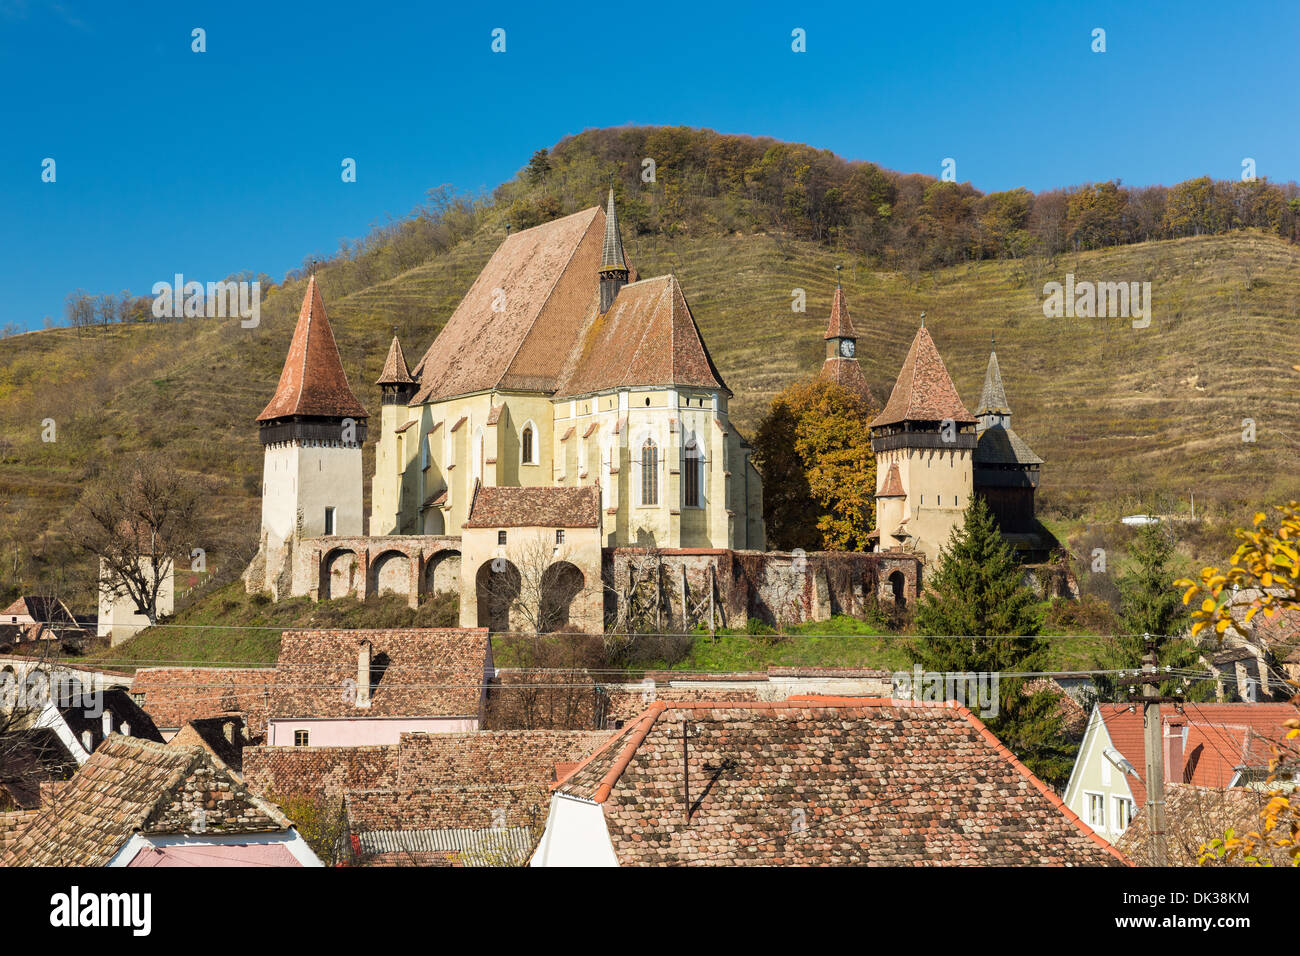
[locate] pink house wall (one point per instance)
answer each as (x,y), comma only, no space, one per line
(362,732)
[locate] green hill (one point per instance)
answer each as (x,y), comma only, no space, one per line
(1121,415)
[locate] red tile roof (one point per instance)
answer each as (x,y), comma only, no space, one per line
(430,672)
(893,486)
(396,371)
(847,373)
(174,696)
(313,382)
(841,326)
(923,392)
(129,786)
(648,337)
(541,507)
(1220,738)
(827,780)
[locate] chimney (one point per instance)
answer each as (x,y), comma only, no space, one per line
(106,723)
(229,728)
(1175,745)
(363,674)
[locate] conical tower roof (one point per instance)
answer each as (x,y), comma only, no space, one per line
(993,397)
(924,391)
(312,382)
(841,326)
(612,258)
(396,371)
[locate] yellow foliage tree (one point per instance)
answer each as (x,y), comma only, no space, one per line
(1264,576)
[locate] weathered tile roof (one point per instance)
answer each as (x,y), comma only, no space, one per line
(124,717)
(648,337)
(130,786)
(543,282)
(923,392)
(847,373)
(459,794)
(827,781)
(611,255)
(226,737)
(893,486)
(841,326)
(501,507)
(313,382)
(395,371)
(430,672)
(1220,738)
(1000,445)
(173,696)
(12,824)
(993,397)
(1194,816)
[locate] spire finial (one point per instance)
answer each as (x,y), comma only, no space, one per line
(922,320)
(837,276)
(994,336)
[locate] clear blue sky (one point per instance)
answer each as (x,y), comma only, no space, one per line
(173,161)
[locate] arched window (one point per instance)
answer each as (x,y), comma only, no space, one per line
(526,445)
(692,477)
(649,473)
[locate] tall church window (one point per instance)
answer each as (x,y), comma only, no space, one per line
(526,445)
(691,476)
(329,520)
(649,473)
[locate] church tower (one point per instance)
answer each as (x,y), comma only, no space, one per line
(311,433)
(923,440)
(841,365)
(613,264)
(392,488)
(1006,468)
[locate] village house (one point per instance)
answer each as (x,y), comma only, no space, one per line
(143,804)
(176,696)
(1209,745)
(810,781)
(34,619)
(362,687)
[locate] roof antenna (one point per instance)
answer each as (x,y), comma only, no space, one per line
(837,276)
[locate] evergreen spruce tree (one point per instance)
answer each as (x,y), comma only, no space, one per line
(980,618)
(1149,604)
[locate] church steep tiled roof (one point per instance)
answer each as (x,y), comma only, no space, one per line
(312,382)
(924,391)
(611,256)
(841,326)
(518,323)
(827,781)
(396,371)
(993,397)
(648,337)
(1002,446)
(893,486)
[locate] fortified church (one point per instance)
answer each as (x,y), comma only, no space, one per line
(565,442)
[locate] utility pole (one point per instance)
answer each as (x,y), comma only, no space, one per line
(1155,762)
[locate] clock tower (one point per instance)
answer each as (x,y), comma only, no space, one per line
(841,365)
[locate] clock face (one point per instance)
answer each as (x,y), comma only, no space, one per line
(846,348)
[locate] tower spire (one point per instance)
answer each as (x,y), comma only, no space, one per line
(613,263)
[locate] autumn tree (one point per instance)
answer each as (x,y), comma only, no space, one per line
(1263,577)
(137,519)
(813,449)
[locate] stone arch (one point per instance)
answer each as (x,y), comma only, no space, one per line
(561,583)
(390,573)
(442,572)
(340,574)
(496,588)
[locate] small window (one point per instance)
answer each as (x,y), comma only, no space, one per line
(300,738)
(559,536)
(329,520)
(526,441)
(1123,813)
(1097,811)
(138,699)
(691,476)
(501,537)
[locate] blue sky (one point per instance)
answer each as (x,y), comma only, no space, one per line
(209,163)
